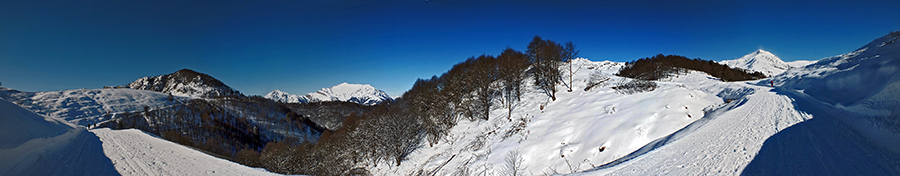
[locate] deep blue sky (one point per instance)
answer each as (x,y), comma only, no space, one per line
(301,46)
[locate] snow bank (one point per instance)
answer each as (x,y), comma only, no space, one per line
(20,125)
(863,86)
(849,78)
(36,145)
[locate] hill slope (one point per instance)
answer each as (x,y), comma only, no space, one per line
(579,130)
(36,145)
(88,106)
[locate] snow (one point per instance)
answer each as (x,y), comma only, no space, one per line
(363,94)
(88,106)
(761,61)
(799,63)
(282,96)
(37,145)
(21,125)
(134,152)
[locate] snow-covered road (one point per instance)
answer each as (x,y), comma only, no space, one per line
(134,152)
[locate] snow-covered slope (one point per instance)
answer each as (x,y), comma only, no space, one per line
(363,94)
(865,83)
(838,116)
(579,130)
(184,82)
(761,61)
(87,106)
(799,63)
(31,144)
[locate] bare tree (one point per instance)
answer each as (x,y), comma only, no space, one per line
(515,164)
(512,65)
(545,56)
(569,55)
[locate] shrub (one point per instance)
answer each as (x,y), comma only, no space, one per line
(635,86)
(597,79)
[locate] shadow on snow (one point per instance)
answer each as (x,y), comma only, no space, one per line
(822,145)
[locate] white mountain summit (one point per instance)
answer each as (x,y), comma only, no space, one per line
(761,61)
(363,94)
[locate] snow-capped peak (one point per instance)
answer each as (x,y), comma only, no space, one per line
(761,61)
(358,93)
(282,96)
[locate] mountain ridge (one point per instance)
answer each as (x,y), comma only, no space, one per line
(363,94)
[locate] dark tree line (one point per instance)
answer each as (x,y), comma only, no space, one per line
(387,135)
(328,114)
(663,66)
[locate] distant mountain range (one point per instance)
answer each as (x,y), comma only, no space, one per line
(363,94)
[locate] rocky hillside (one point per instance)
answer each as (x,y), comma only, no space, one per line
(185,82)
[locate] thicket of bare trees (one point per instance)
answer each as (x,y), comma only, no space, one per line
(512,65)
(546,56)
(662,66)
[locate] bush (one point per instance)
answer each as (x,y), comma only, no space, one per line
(635,86)
(597,79)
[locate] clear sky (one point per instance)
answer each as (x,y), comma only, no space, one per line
(301,46)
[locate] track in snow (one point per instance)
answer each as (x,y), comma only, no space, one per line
(134,152)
